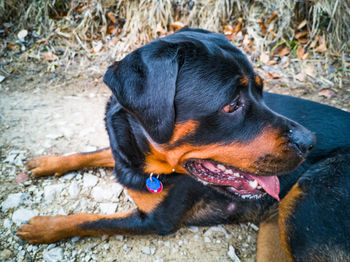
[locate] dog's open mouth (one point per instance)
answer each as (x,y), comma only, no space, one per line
(235,181)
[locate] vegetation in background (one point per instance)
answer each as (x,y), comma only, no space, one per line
(52,30)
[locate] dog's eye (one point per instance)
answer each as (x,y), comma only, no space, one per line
(231,107)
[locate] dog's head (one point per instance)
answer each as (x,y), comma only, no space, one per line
(201,107)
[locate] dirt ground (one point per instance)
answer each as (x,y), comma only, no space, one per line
(45,113)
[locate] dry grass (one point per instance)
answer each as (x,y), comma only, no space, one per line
(72,27)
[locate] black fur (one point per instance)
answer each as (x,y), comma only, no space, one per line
(192,75)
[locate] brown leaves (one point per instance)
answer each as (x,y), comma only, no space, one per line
(322,45)
(21,177)
(177,25)
(327,93)
(283,52)
(112,17)
(273,16)
(301,53)
(273,75)
(262,27)
(231,32)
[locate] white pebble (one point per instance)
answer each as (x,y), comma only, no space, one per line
(53,255)
(23,215)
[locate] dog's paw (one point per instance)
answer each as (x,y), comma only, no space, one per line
(42,230)
(46,166)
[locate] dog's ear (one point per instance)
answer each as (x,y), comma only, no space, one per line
(144,83)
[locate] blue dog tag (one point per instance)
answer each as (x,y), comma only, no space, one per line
(154,185)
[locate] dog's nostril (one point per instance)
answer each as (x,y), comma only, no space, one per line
(310,147)
(302,139)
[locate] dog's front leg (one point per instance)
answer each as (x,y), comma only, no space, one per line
(49,229)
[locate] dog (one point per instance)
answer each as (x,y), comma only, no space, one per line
(195,141)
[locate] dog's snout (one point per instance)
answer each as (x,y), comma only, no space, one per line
(302,138)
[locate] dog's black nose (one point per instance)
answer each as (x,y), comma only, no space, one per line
(302,138)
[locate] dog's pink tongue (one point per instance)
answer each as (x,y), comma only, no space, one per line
(270,184)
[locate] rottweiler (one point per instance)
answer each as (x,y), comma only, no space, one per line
(196,142)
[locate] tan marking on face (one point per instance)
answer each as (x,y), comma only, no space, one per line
(258,80)
(244,80)
(163,159)
(147,201)
(286,209)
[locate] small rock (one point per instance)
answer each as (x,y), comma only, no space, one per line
(22,34)
(108,208)
(75,239)
(7,223)
(107,192)
(119,237)
(193,229)
(13,200)
(232,254)
(53,255)
(146,250)
(253,226)
(15,157)
(5,254)
(74,190)
(23,215)
(89,180)
(52,191)
(54,136)
(2,78)
(207,240)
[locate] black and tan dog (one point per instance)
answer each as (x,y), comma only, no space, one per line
(195,141)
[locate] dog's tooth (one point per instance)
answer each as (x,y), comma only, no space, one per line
(221,167)
(229,171)
(253,184)
(259,187)
(236,174)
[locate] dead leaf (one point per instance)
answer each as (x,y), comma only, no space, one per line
(21,177)
(301,77)
(262,27)
(283,52)
(305,56)
(327,93)
(310,71)
(322,45)
(49,56)
(228,30)
(303,40)
(177,25)
(111,30)
(22,34)
(112,17)
(238,27)
(300,52)
(264,58)
(302,24)
(301,34)
(273,75)
(11,45)
(273,16)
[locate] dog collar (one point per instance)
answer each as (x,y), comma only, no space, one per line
(153,184)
